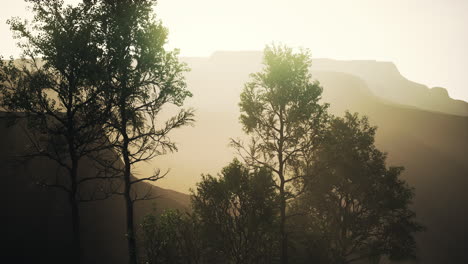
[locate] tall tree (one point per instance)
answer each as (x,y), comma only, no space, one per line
(280,109)
(353,202)
(237,213)
(56,87)
(141,79)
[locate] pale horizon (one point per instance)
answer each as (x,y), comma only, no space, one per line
(426,40)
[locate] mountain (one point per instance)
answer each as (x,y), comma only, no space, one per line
(382,78)
(430,142)
(385,81)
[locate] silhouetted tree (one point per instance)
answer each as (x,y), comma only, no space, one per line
(55,86)
(280,109)
(141,78)
(237,213)
(352,202)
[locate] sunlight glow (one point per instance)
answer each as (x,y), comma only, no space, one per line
(427,40)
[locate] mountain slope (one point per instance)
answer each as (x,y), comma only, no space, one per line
(382,78)
(36,221)
(385,81)
(433,148)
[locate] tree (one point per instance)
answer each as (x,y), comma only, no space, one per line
(172,237)
(56,87)
(237,213)
(141,78)
(280,109)
(353,202)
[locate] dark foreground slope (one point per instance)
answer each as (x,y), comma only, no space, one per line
(35,221)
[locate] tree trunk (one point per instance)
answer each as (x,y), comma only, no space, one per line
(132,254)
(130,230)
(283,234)
(281,169)
(76,240)
(76,237)
(74,201)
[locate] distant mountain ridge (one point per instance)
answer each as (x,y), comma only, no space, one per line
(383,79)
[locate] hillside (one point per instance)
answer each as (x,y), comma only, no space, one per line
(385,81)
(37,222)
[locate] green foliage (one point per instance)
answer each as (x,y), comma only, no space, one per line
(353,202)
(56,83)
(96,76)
(101,68)
(280,110)
(140,79)
(237,213)
(57,86)
(283,91)
(172,237)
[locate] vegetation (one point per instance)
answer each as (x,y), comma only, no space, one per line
(281,111)
(102,78)
(237,215)
(173,237)
(56,86)
(353,204)
(141,78)
(95,78)
(343,203)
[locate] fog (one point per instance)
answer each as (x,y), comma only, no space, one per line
(427,40)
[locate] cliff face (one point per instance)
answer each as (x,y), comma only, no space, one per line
(382,78)
(36,221)
(385,81)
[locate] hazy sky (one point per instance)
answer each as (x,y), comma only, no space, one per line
(426,39)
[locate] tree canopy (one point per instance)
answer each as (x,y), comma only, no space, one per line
(96,76)
(237,212)
(56,86)
(281,111)
(94,79)
(353,203)
(141,77)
